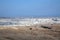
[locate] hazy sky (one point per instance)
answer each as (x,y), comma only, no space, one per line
(26,8)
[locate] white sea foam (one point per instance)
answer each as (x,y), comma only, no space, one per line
(28,21)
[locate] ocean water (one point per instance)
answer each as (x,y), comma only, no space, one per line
(27,21)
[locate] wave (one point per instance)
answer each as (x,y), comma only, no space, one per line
(27,21)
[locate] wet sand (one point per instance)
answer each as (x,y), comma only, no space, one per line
(30,33)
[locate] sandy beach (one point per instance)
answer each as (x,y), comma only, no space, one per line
(30,33)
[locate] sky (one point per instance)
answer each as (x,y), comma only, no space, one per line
(29,8)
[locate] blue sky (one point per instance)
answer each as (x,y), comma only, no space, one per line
(29,8)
